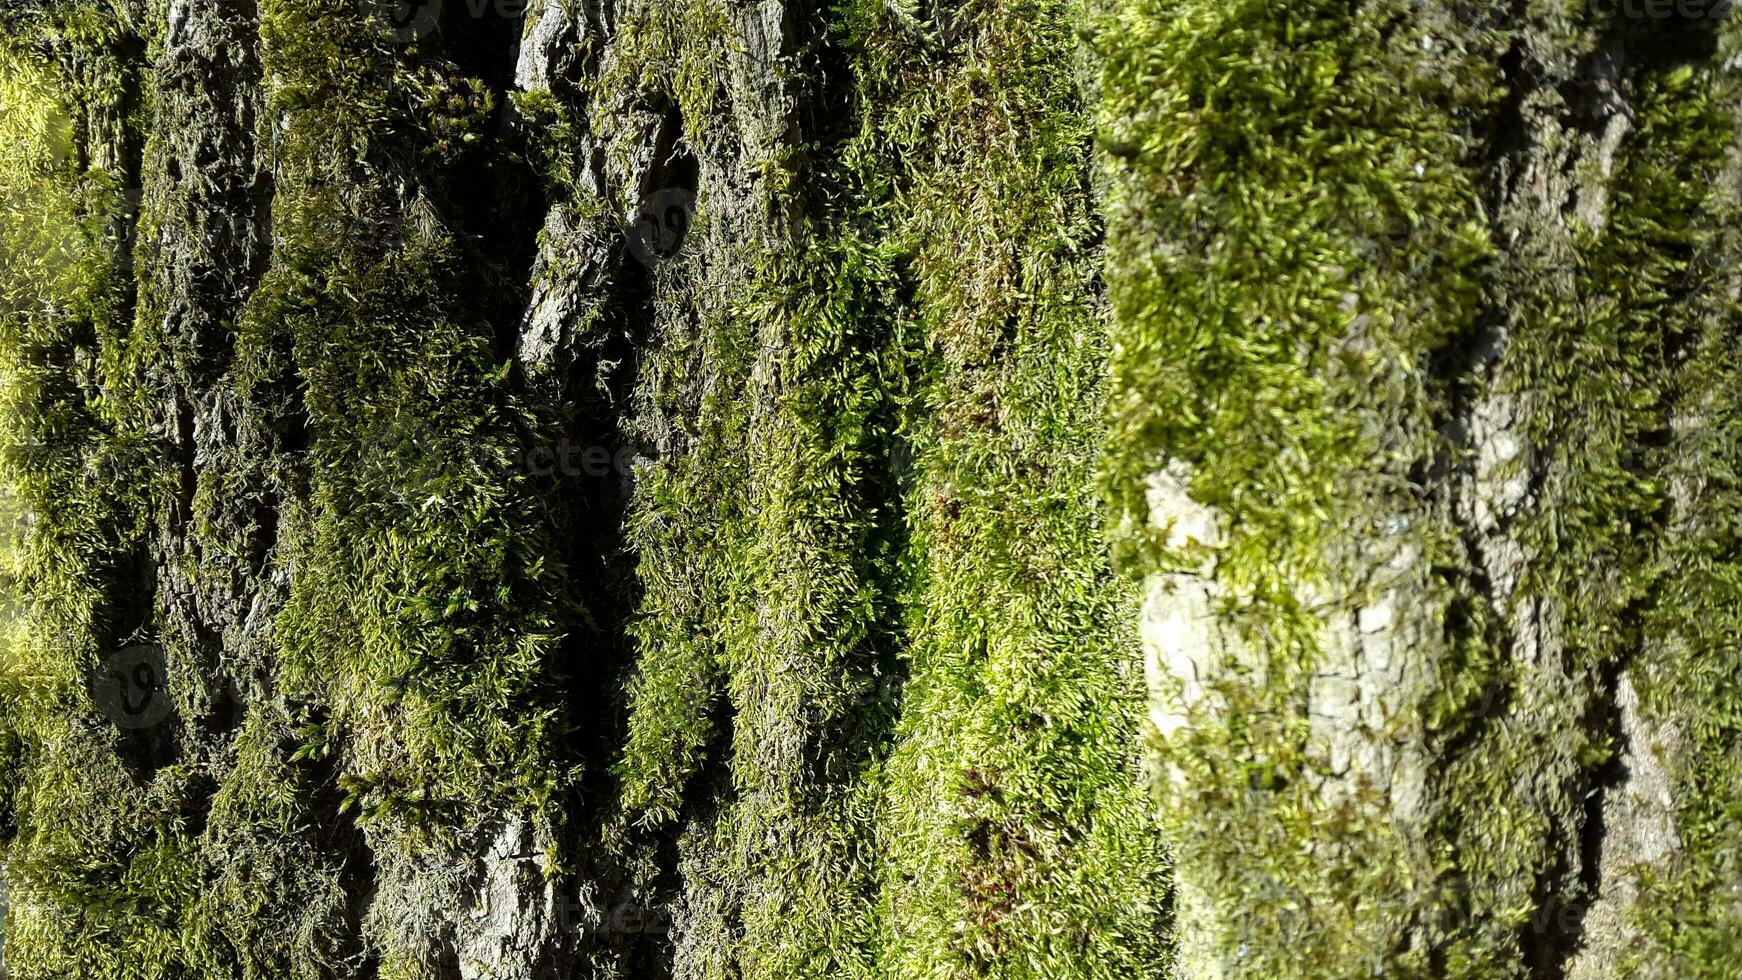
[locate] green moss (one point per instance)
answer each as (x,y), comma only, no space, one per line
(1010,787)
(882,714)
(1297,242)
(929,766)
(87,849)
(1293,234)
(425,608)
(108,875)
(1672,262)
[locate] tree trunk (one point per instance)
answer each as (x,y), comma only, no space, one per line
(609,489)
(1424,320)
(693,489)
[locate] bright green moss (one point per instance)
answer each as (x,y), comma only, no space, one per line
(1295,236)
(85,844)
(674,51)
(1264,164)
(425,609)
(1672,259)
(826,555)
(1011,785)
(1296,243)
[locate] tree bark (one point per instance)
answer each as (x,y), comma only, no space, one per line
(771,489)
(608,488)
(1409,303)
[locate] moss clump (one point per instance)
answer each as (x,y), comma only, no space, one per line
(89,851)
(1295,236)
(426,608)
(1015,845)
(1673,261)
(906,782)
(1325,298)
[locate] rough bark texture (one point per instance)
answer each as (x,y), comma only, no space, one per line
(1410,301)
(608,489)
(622,488)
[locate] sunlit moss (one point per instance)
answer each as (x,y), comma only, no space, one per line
(1301,232)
